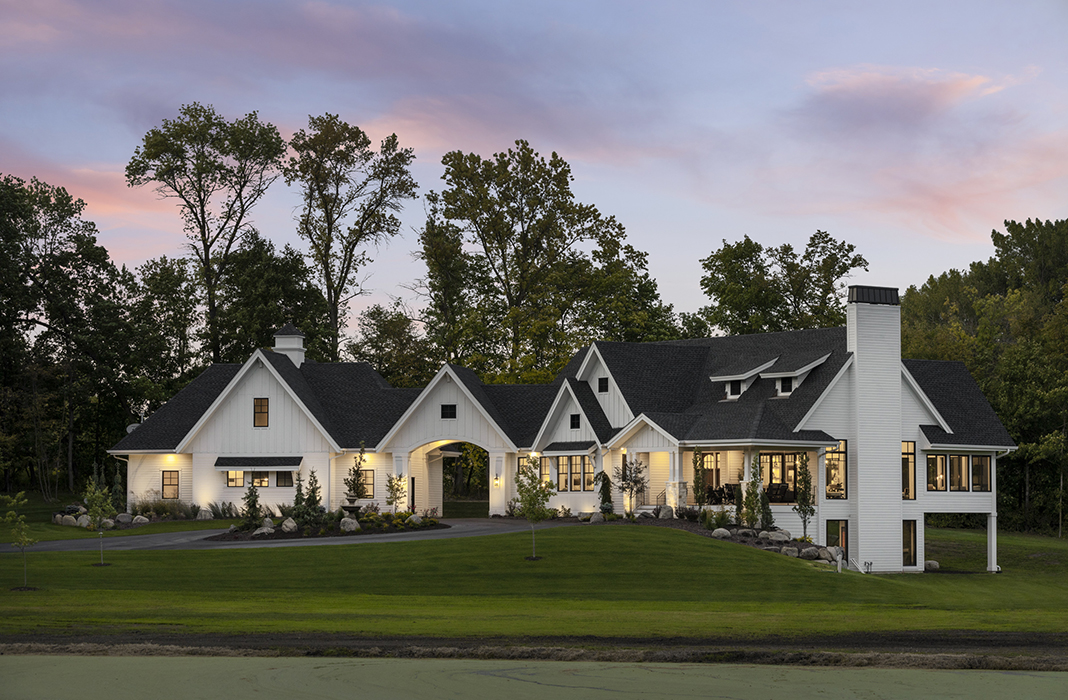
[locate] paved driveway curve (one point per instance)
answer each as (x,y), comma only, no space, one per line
(196,539)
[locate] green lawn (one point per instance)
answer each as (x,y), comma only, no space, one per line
(606,581)
(465,509)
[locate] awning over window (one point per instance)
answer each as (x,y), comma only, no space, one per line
(274,464)
(558,448)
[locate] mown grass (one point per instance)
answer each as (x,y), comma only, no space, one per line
(602,581)
(465,509)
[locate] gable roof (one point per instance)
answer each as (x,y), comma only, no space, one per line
(960,402)
(164,429)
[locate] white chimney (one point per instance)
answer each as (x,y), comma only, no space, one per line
(290,342)
(873,335)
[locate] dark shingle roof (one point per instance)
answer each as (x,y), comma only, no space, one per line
(953,391)
(288,330)
(165,428)
(569,446)
(522,407)
(591,407)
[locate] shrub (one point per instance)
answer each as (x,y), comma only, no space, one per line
(767,520)
(223,511)
(721,518)
(564,512)
(167,509)
(510,508)
(689,514)
(251,514)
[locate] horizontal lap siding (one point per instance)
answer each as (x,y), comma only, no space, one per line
(144,477)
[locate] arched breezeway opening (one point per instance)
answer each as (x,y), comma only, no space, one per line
(455,478)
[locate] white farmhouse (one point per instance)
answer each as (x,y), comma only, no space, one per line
(887,440)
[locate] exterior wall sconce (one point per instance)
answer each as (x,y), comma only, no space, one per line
(497,481)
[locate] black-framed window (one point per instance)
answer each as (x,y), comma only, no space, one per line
(563,473)
(958,472)
(786,385)
(283,479)
(260,480)
(936,472)
(838,536)
(170,485)
(448,411)
(587,474)
(602,385)
(576,473)
(260,413)
(236,479)
(980,472)
(734,388)
(367,478)
(908,543)
(835,462)
(908,471)
(576,421)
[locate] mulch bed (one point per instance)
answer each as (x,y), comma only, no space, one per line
(332,530)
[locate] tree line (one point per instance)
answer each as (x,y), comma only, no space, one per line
(518,276)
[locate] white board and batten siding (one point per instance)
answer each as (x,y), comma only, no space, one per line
(144,477)
(560,427)
(612,402)
(425,424)
(649,439)
(229,431)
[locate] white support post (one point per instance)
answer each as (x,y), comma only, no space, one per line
(498,483)
(400,467)
(992,542)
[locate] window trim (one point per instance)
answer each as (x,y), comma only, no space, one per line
(783,382)
(962,482)
(938,462)
(278,476)
(843,534)
(908,543)
(908,470)
(367,478)
(448,408)
(576,421)
(234,481)
(602,385)
(261,410)
(841,454)
(984,461)
(163,485)
(563,473)
(264,477)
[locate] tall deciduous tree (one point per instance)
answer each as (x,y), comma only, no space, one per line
(217,170)
(754,289)
(389,340)
(351,195)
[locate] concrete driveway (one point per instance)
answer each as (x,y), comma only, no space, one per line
(471,527)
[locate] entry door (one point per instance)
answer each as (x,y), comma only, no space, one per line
(411,494)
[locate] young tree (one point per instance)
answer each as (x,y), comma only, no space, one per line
(533,498)
(217,170)
(396,490)
(252,514)
(353,482)
(751,505)
(700,492)
(351,195)
(20,531)
(805,505)
(604,490)
(630,476)
(98,504)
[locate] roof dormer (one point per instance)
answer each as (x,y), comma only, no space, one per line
(737,379)
(788,379)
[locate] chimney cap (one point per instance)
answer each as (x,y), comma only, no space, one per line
(288,330)
(873,295)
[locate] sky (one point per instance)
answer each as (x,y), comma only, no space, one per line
(909,129)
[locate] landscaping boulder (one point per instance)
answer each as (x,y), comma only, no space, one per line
(825,554)
(667,513)
(789,551)
(809,553)
(834,552)
(746,532)
(349,525)
(596,518)
(124,518)
(414,519)
(645,514)
(263,531)
(930,565)
(289,525)
(786,532)
(107,524)
(778,536)
(205,514)
(141,520)
(69,521)
(763,535)
(267,522)
(84,521)
(721,534)
(82,510)
(772,548)
(57,518)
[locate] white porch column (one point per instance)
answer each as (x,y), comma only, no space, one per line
(498,483)
(992,542)
(671,493)
(747,469)
(400,468)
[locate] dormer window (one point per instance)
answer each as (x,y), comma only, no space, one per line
(734,388)
(576,421)
(602,385)
(786,385)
